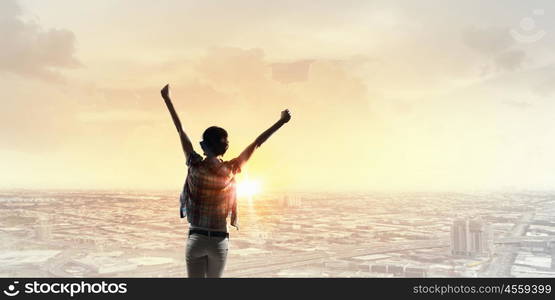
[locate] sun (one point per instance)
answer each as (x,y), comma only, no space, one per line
(248,188)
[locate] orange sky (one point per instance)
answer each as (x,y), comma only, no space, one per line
(385,95)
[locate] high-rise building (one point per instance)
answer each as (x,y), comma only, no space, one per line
(459,240)
(470,237)
(476,234)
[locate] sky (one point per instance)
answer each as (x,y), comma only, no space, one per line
(385,95)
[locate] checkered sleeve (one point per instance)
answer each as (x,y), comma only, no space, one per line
(193,159)
(234,166)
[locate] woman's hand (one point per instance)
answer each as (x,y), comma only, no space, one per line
(285,116)
(165,91)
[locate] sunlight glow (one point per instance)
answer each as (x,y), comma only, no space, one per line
(248,188)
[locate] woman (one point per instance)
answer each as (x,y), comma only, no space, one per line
(209,194)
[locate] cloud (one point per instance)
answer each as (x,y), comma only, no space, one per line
(245,77)
(542,81)
(391,94)
(510,60)
(496,45)
(489,41)
(30,50)
(291,72)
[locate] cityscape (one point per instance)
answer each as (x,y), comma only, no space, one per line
(62,233)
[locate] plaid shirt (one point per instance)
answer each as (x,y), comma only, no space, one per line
(209,195)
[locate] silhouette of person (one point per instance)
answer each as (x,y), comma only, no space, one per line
(209,193)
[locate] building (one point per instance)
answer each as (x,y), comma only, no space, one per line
(459,241)
(470,237)
(290,201)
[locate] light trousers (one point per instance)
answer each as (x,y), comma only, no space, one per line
(206,256)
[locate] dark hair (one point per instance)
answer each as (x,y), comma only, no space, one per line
(212,138)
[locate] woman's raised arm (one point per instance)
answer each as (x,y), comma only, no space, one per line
(185,141)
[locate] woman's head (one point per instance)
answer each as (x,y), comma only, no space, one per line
(214,141)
